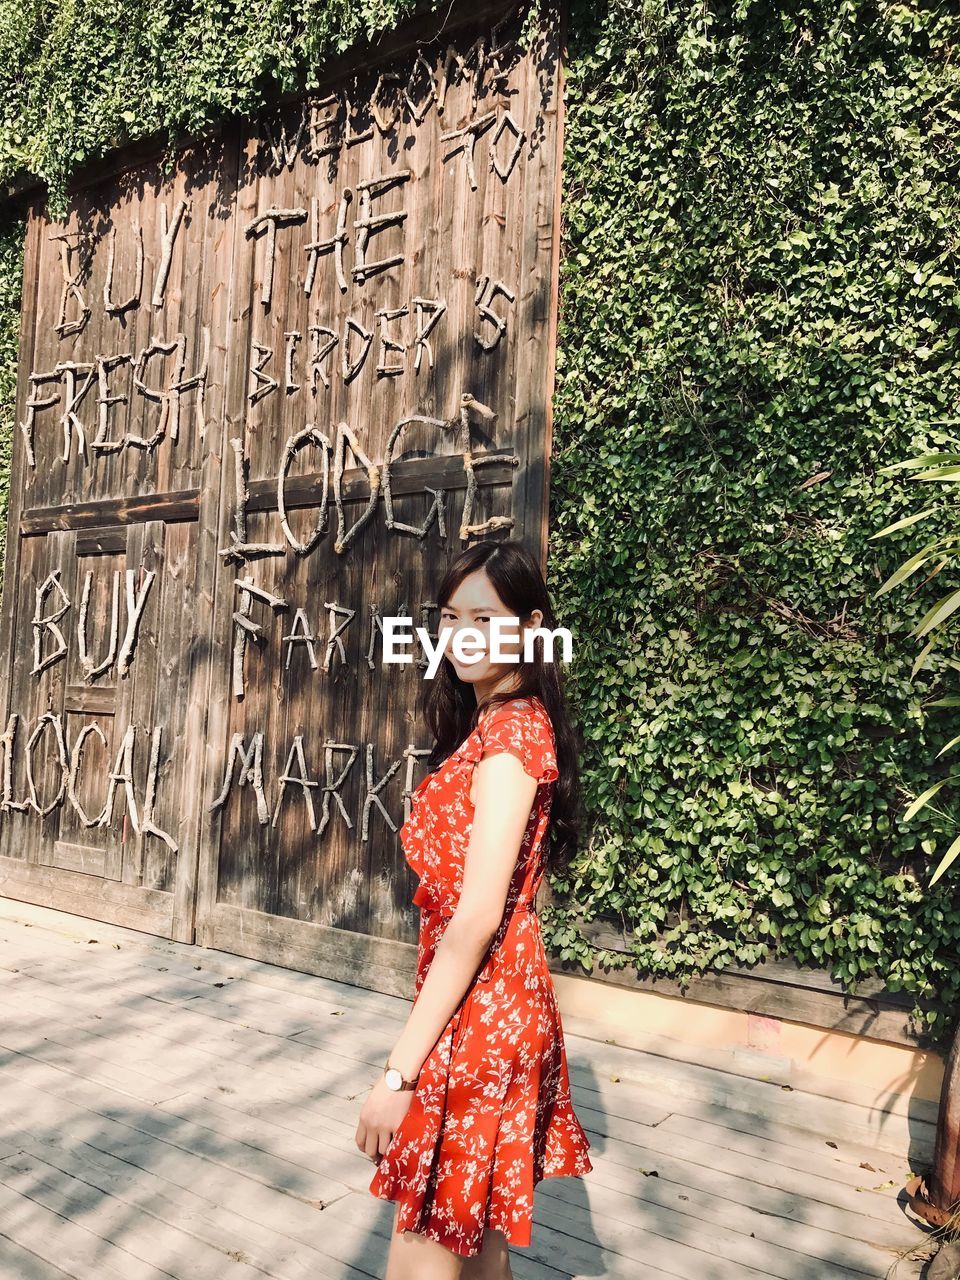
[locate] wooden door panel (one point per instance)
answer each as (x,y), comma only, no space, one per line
(121,709)
(93,564)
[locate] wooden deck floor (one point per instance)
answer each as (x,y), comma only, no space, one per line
(170,1111)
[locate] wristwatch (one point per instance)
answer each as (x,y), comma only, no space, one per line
(395,1080)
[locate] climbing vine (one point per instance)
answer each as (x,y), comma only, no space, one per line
(759,309)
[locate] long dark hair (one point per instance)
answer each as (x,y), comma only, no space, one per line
(450,705)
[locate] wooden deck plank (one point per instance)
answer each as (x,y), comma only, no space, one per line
(141,1089)
(144,1036)
(649,1145)
(902,1123)
(792,1148)
(214,968)
(763,1102)
(230,1230)
(920,1119)
(718,1208)
(196,1213)
(235,1004)
(177,1142)
(23,1263)
(50,1234)
(71,1056)
(115,1223)
(604,1123)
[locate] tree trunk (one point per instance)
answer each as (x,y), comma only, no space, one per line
(944,1183)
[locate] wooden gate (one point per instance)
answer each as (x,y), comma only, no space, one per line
(262,402)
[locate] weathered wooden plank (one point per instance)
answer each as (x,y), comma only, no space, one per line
(264,1134)
(138,965)
(263,1183)
(609,1111)
(595,1097)
(132,510)
(15,1260)
(198,685)
(63,890)
(346,955)
(735,1193)
(126,1231)
(25,356)
(274,1230)
(36,1228)
(792,1148)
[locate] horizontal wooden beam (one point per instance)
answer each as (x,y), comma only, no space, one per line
(169,507)
(378,964)
(111,540)
(134,907)
(777,988)
(388,966)
(299,491)
(408,477)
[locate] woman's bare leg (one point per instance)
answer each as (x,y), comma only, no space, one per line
(417,1257)
(493,1260)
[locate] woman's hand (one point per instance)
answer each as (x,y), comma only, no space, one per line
(380,1118)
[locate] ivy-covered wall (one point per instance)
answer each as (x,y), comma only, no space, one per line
(759,309)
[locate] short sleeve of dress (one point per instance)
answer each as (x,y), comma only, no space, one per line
(524,731)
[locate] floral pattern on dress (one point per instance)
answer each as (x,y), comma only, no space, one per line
(491,1115)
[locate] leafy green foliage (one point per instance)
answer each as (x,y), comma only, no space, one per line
(77,79)
(759,308)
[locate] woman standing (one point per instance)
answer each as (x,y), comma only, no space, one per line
(474,1106)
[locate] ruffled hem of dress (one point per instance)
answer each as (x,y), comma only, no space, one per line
(408,1219)
(414,1215)
(576,1164)
(518,1234)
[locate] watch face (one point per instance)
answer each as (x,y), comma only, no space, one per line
(394,1078)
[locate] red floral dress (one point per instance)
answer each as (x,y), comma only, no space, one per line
(491,1115)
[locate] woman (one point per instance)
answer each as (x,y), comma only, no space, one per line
(474,1106)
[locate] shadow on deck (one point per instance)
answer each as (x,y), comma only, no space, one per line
(173,1111)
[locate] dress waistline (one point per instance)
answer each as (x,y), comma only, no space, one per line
(443,909)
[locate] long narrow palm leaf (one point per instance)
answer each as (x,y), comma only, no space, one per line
(925,797)
(948,858)
(905,570)
(938,614)
(903,524)
(923,460)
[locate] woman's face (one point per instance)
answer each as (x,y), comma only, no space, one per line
(473,605)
